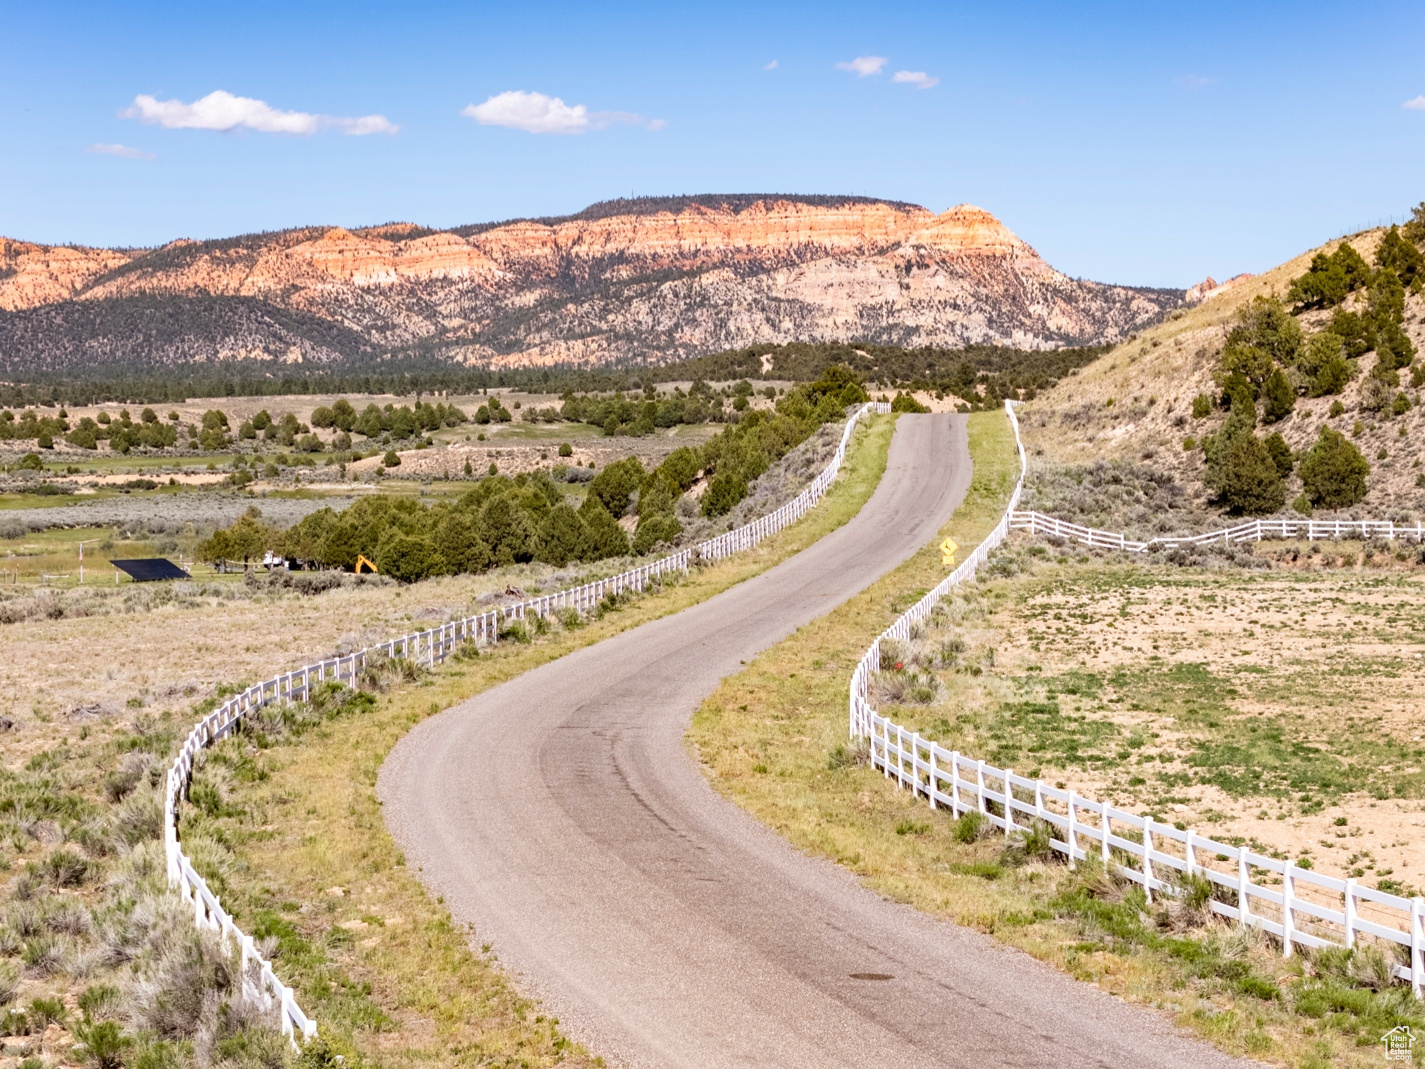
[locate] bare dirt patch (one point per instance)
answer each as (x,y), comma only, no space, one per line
(1277,707)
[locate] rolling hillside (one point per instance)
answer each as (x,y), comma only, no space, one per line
(1133,407)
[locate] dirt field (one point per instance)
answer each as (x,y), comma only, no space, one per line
(1276,706)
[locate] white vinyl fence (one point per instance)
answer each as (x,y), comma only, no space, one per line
(1298,906)
(428,647)
(1251,531)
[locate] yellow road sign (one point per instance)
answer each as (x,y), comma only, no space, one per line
(948,549)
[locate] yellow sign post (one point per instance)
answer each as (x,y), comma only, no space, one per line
(948,549)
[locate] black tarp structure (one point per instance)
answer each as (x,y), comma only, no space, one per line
(150,569)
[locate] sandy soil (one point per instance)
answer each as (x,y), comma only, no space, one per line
(1341,652)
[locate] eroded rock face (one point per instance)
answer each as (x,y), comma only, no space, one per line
(609,286)
(31,275)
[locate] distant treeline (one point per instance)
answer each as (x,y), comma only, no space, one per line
(506,521)
(994,371)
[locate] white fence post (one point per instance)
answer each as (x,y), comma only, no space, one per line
(1244,909)
(1287,889)
(1148,857)
(1008,803)
(1417,945)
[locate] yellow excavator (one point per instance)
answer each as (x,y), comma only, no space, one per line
(362,561)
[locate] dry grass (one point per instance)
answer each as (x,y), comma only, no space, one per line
(773,740)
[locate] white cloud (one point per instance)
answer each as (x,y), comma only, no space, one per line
(919,79)
(861,66)
(221,110)
(122,151)
(537,113)
(1418,104)
(771,66)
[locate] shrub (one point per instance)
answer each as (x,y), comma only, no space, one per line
(44,1012)
(507,529)
(1280,453)
(392,459)
(615,485)
(1333,472)
(98,1001)
(102,1044)
(725,491)
(605,537)
(457,540)
(1337,409)
(1278,397)
(905,402)
(1330,278)
(970,826)
(565,449)
(1242,472)
(563,536)
(65,868)
(31,462)
(1201,406)
(408,558)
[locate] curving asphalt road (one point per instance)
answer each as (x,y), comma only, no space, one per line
(560,813)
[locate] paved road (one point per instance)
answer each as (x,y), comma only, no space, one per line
(561,814)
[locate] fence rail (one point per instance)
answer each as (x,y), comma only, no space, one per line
(1301,908)
(430,647)
(1251,531)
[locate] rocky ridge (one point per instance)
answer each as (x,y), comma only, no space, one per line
(629,282)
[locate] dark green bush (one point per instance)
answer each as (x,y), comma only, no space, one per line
(1241,471)
(616,485)
(1280,453)
(408,558)
(905,402)
(1397,254)
(1278,397)
(1330,278)
(605,537)
(563,537)
(725,491)
(1333,472)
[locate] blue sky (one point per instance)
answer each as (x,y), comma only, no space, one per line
(1147,144)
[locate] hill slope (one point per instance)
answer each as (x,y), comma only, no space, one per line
(1133,407)
(626,282)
